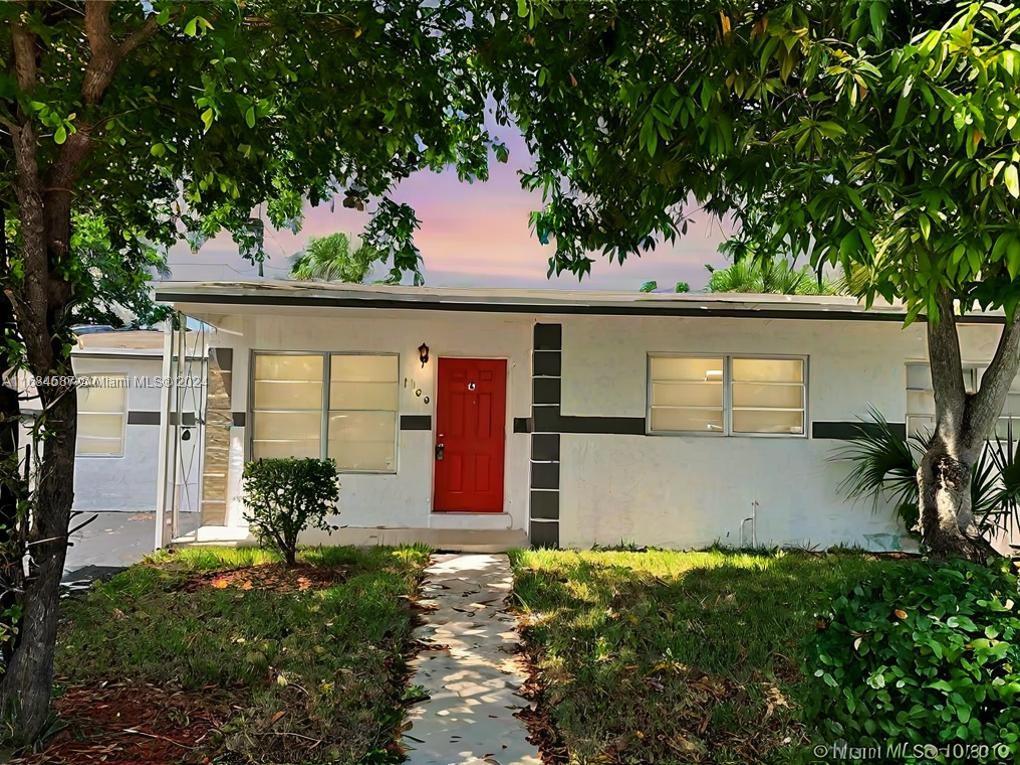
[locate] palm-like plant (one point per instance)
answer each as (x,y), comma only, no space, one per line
(883,465)
(757,275)
(884,462)
(995,484)
(333,259)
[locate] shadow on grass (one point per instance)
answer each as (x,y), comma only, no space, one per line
(311,676)
(675,657)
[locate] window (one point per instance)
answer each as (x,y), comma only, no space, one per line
(342,406)
(921,399)
(726,395)
(101,415)
(363,412)
(287,406)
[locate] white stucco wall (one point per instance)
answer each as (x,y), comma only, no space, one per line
(692,491)
(672,491)
(403,499)
(126,482)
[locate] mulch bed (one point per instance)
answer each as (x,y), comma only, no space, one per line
(132,724)
(268,576)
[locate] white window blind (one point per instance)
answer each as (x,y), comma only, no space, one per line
(686,394)
(287,405)
(102,410)
(768,396)
(727,395)
(363,412)
(343,406)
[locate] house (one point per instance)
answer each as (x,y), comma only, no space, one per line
(462,416)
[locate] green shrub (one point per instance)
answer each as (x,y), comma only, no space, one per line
(924,654)
(282,497)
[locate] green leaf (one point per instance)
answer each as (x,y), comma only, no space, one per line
(878,13)
(1013,257)
(249,116)
(1012,181)
(191,28)
(60,135)
(207,118)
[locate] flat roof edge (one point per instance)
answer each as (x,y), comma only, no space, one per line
(593,309)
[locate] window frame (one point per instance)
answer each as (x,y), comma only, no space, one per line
(324,409)
(123,418)
(727,389)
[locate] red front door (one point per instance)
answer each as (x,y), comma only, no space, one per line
(470,420)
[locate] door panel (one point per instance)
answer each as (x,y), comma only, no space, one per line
(470,435)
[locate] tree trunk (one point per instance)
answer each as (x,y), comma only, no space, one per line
(42,302)
(25,693)
(10,418)
(946,514)
(963,422)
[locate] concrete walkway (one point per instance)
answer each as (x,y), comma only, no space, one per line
(468,669)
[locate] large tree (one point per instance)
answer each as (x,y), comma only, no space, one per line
(170,119)
(877,135)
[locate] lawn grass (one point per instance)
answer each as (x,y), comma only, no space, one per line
(320,665)
(660,657)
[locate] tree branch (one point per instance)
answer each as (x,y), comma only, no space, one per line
(106,53)
(24,56)
(986,405)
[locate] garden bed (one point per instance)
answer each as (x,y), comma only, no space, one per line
(133,724)
(225,655)
(664,656)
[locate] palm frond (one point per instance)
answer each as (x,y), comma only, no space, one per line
(883,464)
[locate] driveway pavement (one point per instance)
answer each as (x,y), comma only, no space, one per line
(112,541)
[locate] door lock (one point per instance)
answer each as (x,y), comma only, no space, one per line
(440,452)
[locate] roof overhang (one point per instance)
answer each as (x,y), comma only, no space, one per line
(296,294)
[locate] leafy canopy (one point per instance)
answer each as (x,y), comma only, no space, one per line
(878,136)
(226,114)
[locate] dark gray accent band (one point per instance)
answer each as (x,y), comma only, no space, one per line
(545,447)
(545,533)
(187,419)
(549,420)
(848,431)
(545,504)
(522,425)
(545,390)
(416,422)
(548,337)
(545,475)
(546,363)
(631,309)
(143,418)
(238,419)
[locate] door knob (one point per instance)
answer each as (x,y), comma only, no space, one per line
(440,451)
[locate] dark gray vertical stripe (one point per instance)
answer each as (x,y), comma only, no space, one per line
(546,390)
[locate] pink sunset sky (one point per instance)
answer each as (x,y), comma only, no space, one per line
(471,235)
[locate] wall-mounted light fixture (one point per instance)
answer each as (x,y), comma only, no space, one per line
(423,354)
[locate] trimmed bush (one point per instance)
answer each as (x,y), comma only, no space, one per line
(283,497)
(925,654)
